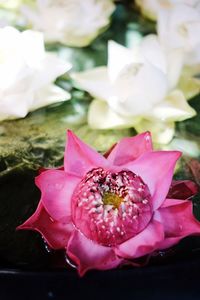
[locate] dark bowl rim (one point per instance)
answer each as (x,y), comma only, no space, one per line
(168,269)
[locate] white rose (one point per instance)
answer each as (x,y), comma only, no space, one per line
(151,8)
(27,73)
(72,22)
(179,27)
(136,89)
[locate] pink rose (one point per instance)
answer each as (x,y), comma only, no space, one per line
(107,211)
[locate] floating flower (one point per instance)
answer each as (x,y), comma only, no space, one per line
(137,89)
(151,8)
(27,74)
(73,22)
(106,211)
(183,24)
(179,27)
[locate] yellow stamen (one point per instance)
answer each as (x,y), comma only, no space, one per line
(112,199)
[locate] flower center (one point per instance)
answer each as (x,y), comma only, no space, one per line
(110,208)
(183,31)
(112,199)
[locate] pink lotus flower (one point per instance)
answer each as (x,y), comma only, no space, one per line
(106,211)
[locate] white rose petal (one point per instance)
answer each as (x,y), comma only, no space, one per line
(48,95)
(95,81)
(193,58)
(27,73)
(125,84)
(174,108)
(187,147)
(119,57)
(72,22)
(189,82)
(169,61)
(162,132)
(101,116)
(137,89)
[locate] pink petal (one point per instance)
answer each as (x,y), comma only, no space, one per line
(183,189)
(171,202)
(80,158)
(130,148)
(143,243)
(57,188)
(89,255)
(156,169)
(178,221)
(55,233)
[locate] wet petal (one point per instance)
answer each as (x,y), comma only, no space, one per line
(156,169)
(143,243)
(178,222)
(130,148)
(80,158)
(57,188)
(89,255)
(56,234)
